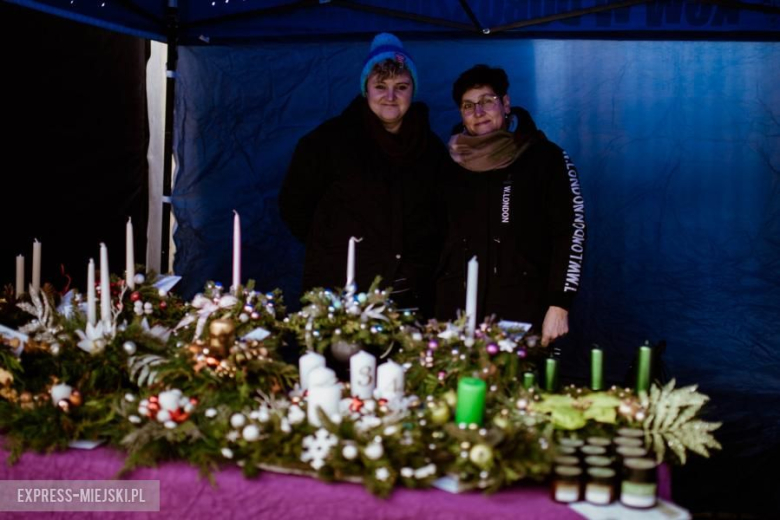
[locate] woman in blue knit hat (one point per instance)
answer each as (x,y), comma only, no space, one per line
(371,173)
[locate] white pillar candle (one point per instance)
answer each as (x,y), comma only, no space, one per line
(325,398)
(129,255)
(36,266)
(19,275)
(306,364)
(389,380)
(351,262)
(362,375)
(236,252)
(471,297)
(91,300)
(105,286)
(324,393)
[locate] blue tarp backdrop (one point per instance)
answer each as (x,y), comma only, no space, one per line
(678,147)
(677,144)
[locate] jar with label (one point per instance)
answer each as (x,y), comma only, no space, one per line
(640,483)
(600,487)
(566,484)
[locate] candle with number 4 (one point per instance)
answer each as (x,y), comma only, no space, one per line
(389,380)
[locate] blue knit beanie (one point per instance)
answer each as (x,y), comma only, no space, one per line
(387,46)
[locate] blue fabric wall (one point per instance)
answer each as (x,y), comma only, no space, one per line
(678,147)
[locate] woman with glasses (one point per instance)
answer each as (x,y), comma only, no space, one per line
(515,203)
(370,173)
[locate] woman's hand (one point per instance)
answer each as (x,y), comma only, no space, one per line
(556,324)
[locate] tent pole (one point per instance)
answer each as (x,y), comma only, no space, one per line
(172,16)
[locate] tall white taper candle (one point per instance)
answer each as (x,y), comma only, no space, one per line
(471,297)
(105,286)
(236,252)
(129,255)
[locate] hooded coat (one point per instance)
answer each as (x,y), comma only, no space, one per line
(350,177)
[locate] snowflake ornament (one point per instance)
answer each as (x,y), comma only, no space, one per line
(317,447)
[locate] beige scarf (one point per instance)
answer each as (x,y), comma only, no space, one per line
(482,153)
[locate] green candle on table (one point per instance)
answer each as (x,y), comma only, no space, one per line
(596,369)
(471,401)
(643,369)
(551,375)
(529,380)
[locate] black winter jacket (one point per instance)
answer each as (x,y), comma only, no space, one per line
(342,183)
(526,225)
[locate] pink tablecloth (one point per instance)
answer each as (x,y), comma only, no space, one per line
(183,494)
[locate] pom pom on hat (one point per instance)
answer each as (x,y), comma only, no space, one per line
(387,46)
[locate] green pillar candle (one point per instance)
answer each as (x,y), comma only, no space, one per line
(471,401)
(596,369)
(529,380)
(643,369)
(551,375)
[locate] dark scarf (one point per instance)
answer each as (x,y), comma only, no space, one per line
(496,150)
(408,145)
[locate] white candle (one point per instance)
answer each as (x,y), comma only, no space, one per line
(236,252)
(389,380)
(129,255)
(36,267)
(362,375)
(351,262)
(105,286)
(326,398)
(19,275)
(471,297)
(306,364)
(91,301)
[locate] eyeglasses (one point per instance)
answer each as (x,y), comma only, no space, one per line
(488,102)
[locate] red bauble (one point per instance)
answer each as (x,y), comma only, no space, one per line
(135,296)
(356,404)
(163,305)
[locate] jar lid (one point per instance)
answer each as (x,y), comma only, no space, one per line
(631,432)
(572,442)
(639,463)
(568,471)
(593,450)
(598,460)
(601,472)
(599,441)
(631,452)
(628,441)
(565,460)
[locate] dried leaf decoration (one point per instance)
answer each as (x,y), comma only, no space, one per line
(670,422)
